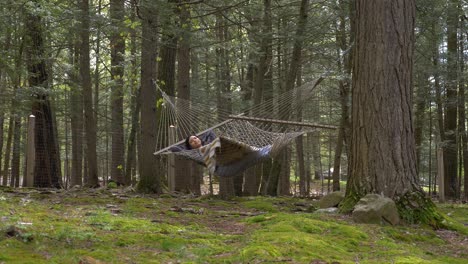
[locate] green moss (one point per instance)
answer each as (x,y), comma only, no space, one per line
(147,231)
(415,208)
(261,204)
(350,200)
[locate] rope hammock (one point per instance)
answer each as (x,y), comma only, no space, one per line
(234,142)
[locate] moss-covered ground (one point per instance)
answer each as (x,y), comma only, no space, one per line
(117,226)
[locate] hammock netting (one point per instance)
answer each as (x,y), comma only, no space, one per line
(244,139)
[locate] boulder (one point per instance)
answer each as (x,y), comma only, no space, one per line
(376,209)
(331,200)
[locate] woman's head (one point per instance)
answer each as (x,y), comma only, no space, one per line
(193,142)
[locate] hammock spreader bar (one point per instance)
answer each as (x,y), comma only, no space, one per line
(285,122)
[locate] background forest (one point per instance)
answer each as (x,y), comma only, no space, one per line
(84,69)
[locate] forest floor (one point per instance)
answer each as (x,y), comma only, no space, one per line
(120,226)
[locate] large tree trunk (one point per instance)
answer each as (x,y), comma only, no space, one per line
(383,152)
(47,168)
(450,122)
(90,122)
(117,44)
(150,176)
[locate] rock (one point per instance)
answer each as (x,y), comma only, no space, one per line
(331,200)
(376,209)
(330,210)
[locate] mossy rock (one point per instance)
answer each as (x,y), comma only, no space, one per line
(331,200)
(376,209)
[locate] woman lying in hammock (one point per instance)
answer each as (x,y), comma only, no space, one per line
(225,156)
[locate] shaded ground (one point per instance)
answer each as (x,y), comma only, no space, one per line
(120,226)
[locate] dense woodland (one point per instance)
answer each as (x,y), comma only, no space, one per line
(84,69)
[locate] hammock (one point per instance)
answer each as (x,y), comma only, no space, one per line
(232,143)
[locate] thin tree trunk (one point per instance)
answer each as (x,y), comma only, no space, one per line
(76,117)
(223,91)
(462,115)
(7,159)
(15,161)
(96,79)
(2,119)
(421,102)
(117,44)
(90,123)
(130,166)
(185,173)
(345,66)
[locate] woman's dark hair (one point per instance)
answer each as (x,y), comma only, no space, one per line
(187,142)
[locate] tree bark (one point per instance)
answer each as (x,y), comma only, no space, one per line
(7,158)
(383,152)
(2,119)
(450,122)
(462,115)
(76,114)
(15,161)
(90,123)
(187,178)
(47,167)
(130,166)
(117,44)
(344,84)
(223,94)
(150,176)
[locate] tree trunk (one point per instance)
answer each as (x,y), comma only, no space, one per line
(7,159)
(223,92)
(251,179)
(186,175)
(97,77)
(421,103)
(90,124)
(150,175)
(15,161)
(462,115)
(383,152)
(345,66)
(47,167)
(76,115)
(450,122)
(117,43)
(130,166)
(2,119)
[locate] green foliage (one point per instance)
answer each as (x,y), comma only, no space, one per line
(112,185)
